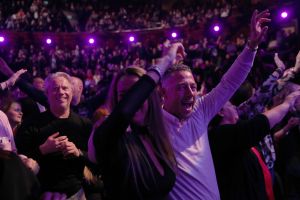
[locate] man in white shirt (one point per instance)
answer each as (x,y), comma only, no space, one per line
(187,116)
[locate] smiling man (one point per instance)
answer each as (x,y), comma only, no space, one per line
(57,139)
(187,116)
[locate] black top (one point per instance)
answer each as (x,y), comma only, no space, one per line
(29,108)
(112,142)
(288,162)
(238,171)
(56,173)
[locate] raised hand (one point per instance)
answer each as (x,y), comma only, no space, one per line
(175,52)
(297,64)
(170,54)
(12,80)
(291,99)
(279,62)
(257,30)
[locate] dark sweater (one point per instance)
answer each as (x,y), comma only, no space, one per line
(56,173)
(112,141)
(238,172)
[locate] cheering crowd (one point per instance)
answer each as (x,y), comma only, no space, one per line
(173,121)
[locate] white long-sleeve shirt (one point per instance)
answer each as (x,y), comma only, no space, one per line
(196,179)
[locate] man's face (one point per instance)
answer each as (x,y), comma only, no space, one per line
(229,113)
(77,90)
(59,93)
(38,83)
(180,91)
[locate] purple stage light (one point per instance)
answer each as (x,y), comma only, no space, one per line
(216,28)
(174,35)
(284,14)
(131,38)
(48,41)
(2,39)
(91,41)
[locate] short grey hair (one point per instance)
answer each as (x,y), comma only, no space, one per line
(176,68)
(52,76)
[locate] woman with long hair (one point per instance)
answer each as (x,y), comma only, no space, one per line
(132,146)
(12,108)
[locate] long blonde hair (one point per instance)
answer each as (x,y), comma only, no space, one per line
(158,133)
